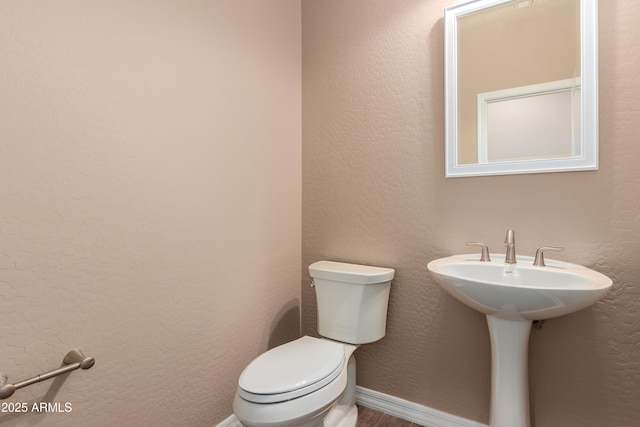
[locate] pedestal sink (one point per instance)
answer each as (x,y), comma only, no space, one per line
(512,296)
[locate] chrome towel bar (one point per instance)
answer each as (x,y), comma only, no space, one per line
(73,360)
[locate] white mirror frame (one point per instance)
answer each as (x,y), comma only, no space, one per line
(589,99)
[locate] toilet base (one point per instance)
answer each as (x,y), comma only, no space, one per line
(345,413)
(348,417)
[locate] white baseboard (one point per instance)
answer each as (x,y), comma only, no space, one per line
(396,407)
(410,411)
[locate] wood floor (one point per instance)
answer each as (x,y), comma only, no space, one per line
(370,418)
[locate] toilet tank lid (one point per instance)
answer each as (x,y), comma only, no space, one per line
(351,273)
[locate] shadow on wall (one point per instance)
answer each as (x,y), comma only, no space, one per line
(286,325)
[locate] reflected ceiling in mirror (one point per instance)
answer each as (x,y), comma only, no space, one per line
(521,86)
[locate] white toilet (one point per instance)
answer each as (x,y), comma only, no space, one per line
(312,381)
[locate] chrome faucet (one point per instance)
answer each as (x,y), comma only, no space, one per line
(510,243)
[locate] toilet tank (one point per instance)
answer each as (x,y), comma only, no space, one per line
(352,300)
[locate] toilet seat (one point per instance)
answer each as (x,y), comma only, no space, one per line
(292,370)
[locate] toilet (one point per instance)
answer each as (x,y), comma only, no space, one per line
(312,381)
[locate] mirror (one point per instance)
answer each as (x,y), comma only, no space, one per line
(521,89)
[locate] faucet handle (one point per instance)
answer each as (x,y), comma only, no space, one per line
(539,260)
(484,255)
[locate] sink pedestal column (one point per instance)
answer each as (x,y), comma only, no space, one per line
(509,373)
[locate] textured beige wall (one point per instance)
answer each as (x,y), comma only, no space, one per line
(150,198)
(374,193)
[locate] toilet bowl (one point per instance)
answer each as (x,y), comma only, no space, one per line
(315,378)
(311,381)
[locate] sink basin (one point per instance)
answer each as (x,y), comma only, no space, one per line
(519,291)
(512,296)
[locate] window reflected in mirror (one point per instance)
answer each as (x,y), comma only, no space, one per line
(509,46)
